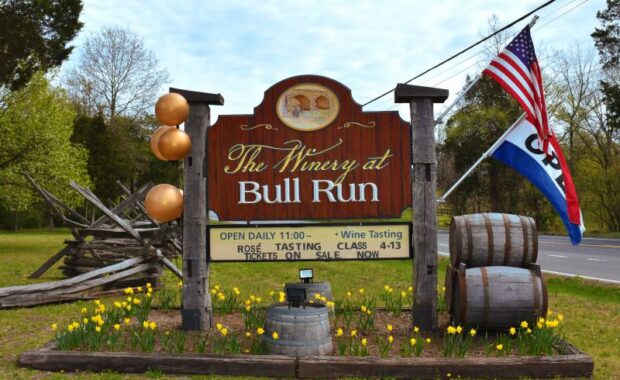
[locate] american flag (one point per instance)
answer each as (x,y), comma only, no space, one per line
(516,70)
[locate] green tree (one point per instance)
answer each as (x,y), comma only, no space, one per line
(34,36)
(35,130)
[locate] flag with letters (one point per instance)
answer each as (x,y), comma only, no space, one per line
(520,149)
(516,69)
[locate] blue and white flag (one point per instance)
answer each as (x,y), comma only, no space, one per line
(520,148)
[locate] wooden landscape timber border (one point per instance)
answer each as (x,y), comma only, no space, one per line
(573,363)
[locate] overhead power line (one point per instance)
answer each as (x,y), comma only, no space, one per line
(466,49)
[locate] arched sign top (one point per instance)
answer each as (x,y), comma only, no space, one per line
(309,152)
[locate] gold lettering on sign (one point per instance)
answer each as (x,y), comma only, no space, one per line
(378,163)
(245,127)
(349,124)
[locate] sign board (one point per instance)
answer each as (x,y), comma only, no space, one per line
(310,242)
(309,152)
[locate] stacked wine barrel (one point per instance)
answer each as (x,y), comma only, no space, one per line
(493,281)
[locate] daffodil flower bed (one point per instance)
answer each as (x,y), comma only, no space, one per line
(358,326)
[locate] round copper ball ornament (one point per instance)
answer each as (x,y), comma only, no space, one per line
(155,141)
(172,109)
(164,203)
(174,144)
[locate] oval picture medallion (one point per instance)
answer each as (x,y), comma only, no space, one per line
(307,107)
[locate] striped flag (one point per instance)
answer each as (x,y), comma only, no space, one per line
(516,70)
(519,148)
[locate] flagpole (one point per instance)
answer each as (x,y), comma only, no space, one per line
(484,155)
(471,84)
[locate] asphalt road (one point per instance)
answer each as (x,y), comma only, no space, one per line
(594,258)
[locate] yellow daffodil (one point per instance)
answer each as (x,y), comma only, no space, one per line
(391,339)
(224,331)
(390,327)
(252,297)
(145,324)
(258,299)
(75,325)
(70,328)
(85,320)
(324,299)
(118,305)
(136,301)
(54,327)
(529,331)
(139,288)
(386,287)
(221,296)
(248,307)
(416,329)
(117,327)
(217,287)
(524,325)
(560,317)
(129,299)
(236,290)
(129,291)
(410,289)
(248,334)
(98,328)
(339,332)
(390,290)
(364,342)
(428,340)
(512,331)
(84,310)
(97,302)
(472,332)
(260,331)
(128,308)
(213,291)
(353,332)
(539,325)
(148,285)
(459,329)
(499,347)
(368,312)
(451,330)
(317,296)
(153,325)
(361,291)
(403,293)
(127,321)
(275,335)
(349,294)
(363,308)
(219,326)
(412,341)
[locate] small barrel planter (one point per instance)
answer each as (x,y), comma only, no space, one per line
(302,331)
(493,239)
(312,288)
(498,297)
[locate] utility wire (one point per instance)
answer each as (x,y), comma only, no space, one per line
(466,49)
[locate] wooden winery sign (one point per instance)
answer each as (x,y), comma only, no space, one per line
(309,152)
(310,242)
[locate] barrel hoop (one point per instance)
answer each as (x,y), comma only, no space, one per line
(507,245)
(458,238)
(534,240)
(470,241)
(537,311)
(298,343)
(485,286)
(463,296)
(489,225)
(526,243)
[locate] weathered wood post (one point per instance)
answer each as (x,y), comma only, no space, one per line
(196,310)
(424,179)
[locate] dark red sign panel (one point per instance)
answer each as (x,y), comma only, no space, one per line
(309,152)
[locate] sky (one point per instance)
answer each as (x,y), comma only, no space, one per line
(240,48)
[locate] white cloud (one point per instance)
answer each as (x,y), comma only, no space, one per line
(241,48)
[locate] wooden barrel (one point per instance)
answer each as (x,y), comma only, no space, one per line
(493,239)
(312,288)
(301,331)
(498,297)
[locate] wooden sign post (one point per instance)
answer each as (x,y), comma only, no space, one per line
(196,309)
(424,185)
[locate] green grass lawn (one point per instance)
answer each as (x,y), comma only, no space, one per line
(592,311)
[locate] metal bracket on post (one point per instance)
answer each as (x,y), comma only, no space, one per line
(424,185)
(196,309)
